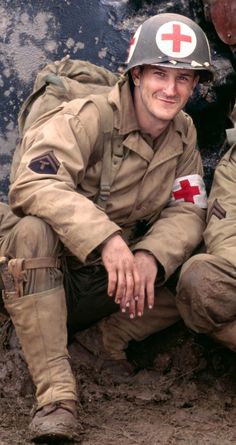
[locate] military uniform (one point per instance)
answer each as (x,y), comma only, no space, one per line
(155,199)
(207,285)
(55,186)
(141,190)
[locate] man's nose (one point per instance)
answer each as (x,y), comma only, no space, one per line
(170,88)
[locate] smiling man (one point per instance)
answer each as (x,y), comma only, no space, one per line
(160,94)
(114,261)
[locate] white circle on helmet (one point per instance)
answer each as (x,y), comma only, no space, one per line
(176,39)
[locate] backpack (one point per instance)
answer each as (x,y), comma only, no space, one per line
(65,80)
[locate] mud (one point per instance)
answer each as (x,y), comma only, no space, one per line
(183,393)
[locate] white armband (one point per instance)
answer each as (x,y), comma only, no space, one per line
(190,188)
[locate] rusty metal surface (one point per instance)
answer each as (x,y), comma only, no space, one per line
(223,14)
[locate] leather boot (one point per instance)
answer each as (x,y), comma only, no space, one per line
(55,421)
(40,323)
(119,329)
(89,344)
(109,339)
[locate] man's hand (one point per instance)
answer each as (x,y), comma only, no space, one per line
(147,269)
(123,277)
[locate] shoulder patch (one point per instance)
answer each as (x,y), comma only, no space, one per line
(46,163)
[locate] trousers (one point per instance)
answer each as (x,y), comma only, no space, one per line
(206,297)
(85,285)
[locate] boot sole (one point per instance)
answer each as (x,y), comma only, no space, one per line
(52,437)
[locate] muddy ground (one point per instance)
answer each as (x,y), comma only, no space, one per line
(183,394)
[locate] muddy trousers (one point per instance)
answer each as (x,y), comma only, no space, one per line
(119,329)
(87,291)
(206,297)
(39,311)
(39,314)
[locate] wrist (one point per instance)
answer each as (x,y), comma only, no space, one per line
(146,252)
(103,244)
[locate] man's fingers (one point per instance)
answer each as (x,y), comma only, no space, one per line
(131,290)
(112,283)
(141,300)
(119,263)
(132,309)
(137,283)
(129,293)
(150,294)
(121,286)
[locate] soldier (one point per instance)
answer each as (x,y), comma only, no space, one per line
(211,104)
(206,289)
(116,261)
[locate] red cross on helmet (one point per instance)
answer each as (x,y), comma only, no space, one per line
(171,40)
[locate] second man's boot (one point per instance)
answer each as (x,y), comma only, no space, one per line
(109,339)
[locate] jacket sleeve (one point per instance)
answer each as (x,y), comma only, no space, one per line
(220,234)
(54,163)
(179,228)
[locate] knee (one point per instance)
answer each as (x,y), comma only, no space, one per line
(32,237)
(194,287)
(192,274)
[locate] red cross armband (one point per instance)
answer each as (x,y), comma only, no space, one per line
(190,188)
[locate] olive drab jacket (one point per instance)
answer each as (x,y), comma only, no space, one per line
(158,183)
(220,235)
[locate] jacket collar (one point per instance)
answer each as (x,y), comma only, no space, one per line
(124,117)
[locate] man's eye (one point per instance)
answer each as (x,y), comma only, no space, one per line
(183,78)
(159,73)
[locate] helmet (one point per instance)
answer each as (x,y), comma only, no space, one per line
(171,40)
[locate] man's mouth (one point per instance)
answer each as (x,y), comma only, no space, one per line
(171,101)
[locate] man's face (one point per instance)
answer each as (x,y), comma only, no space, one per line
(162,92)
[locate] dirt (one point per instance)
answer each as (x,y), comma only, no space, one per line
(183,393)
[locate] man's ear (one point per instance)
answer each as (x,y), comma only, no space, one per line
(136,74)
